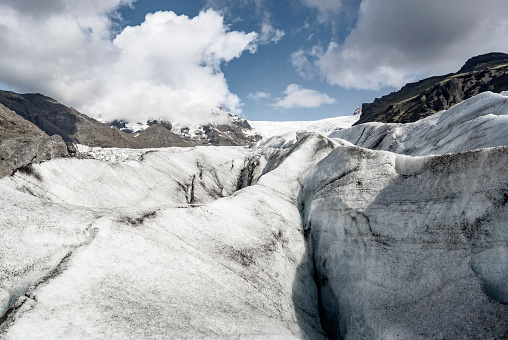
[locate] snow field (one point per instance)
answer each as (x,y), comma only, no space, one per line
(270,129)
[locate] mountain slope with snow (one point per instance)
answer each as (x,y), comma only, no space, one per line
(300,237)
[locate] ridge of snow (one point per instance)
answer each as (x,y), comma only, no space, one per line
(479,122)
(269,129)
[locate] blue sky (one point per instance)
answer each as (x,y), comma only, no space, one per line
(262,59)
(269,70)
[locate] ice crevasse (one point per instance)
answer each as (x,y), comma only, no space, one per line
(302,236)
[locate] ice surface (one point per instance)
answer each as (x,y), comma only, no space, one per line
(270,129)
(410,248)
(268,242)
(479,122)
(153,265)
(127,178)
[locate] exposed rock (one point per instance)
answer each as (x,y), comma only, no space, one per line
(74,127)
(164,123)
(119,124)
(22,143)
(159,136)
(418,100)
(483,61)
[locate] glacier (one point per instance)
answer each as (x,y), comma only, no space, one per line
(326,126)
(476,123)
(373,232)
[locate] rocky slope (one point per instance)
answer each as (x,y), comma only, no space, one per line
(23,143)
(57,119)
(418,100)
(159,136)
(237,132)
(303,236)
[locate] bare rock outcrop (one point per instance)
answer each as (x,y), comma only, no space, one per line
(23,143)
(488,72)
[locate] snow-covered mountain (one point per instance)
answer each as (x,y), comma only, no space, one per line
(228,130)
(299,237)
(239,130)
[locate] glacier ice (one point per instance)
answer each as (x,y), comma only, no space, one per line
(417,254)
(269,129)
(478,122)
(300,237)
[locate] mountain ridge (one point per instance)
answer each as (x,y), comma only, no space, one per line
(53,118)
(22,143)
(487,72)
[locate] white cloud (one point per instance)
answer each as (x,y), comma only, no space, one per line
(303,66)
(258,9)
(259,95)
(269,34)
(327,9)
(396,41)
(169,66)
(297,97)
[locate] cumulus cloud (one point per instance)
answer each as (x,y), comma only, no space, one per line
(396,41)
(259,95)
(169,66)
(297,97)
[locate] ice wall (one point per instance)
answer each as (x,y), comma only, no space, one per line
(410,248)
(479,122)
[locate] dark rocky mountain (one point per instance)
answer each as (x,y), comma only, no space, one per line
(57,119)
(237,133)
(159,136)
(163,123)
(488,72)
(23,143)
(54,118)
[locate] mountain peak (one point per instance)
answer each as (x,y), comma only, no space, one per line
(483,61)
